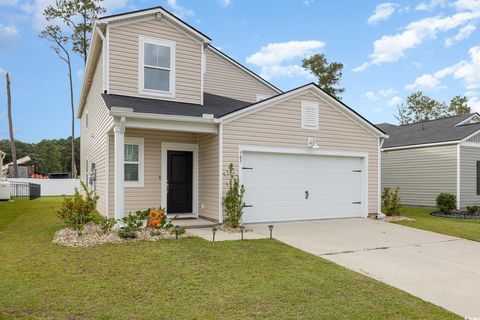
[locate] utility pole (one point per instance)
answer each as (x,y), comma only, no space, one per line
(10,127)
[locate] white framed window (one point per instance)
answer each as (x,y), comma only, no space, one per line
(310,115)
(156,67)
(134,162)
(261,97)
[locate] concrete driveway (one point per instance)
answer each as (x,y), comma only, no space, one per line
(440,269)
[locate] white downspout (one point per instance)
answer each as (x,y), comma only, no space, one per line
(380,215)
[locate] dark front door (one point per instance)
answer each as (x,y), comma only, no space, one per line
(179,181)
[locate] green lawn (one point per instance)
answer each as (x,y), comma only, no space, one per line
(462,228)
(185,279)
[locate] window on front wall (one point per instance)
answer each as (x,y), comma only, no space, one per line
(157,64)
(133,162)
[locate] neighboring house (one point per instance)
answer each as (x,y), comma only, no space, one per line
(163,114)
(427,158)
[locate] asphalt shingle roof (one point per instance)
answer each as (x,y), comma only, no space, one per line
(433,131)
(212,104)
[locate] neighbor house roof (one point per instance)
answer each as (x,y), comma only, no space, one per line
(213,104)
(450,129)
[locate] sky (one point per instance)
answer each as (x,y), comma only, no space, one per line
(389,50)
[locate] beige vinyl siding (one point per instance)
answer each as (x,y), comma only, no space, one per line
(468,175)
(225,79)
(475,138)
(280,126)
(421,173)
(123,57)
(208,175)
(149,195)
(93,140)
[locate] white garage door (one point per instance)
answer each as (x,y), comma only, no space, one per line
(282,187)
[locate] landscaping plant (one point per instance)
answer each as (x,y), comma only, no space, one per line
(78,210)
(233,200)
(446,202)
(472,209)
(391,202)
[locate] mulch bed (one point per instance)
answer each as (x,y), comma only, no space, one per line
(93,235)
(457,215)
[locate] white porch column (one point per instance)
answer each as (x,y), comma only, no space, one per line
(119,190)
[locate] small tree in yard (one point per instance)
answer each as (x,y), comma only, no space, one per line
(391,202)
(233,199)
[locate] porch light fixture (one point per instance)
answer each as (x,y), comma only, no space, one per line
(177,228)
(270,227)
(312,143)
(242,228)
(214,230)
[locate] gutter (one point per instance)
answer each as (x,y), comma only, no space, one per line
(129,113)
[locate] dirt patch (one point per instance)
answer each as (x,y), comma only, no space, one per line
(93,235)
(227,228)
(398,218)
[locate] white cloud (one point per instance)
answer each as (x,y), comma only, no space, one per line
(382,12)
(307,2)
(8,2)
(466,71)
(178,10)
(276,59)
(8,34)
(463,33)
(370,95)
(225,3)
(375,96)
(394,101)
(425,81)
(424,6)
(392,48)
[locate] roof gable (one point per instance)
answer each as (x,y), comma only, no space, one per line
(342,107)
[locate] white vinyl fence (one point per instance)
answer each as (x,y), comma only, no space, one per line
(53,187)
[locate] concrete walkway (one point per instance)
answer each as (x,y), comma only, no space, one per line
(440,269)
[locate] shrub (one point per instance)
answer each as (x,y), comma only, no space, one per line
(133,221)
(106,224)
(446,202)
(78,210)
(391,202)
(472,209)
(233,200)
(127,233)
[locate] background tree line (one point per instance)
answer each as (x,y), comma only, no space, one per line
(52,155)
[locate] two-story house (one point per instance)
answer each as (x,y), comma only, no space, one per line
(163,114)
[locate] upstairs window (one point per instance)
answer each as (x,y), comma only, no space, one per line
(157,67)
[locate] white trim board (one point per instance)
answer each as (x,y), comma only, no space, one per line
(421,145)
(458,176)
(166,146)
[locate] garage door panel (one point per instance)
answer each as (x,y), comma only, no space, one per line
(276,184)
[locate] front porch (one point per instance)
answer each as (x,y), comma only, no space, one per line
(157,164)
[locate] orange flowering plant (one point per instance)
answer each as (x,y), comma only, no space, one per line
(157,218)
